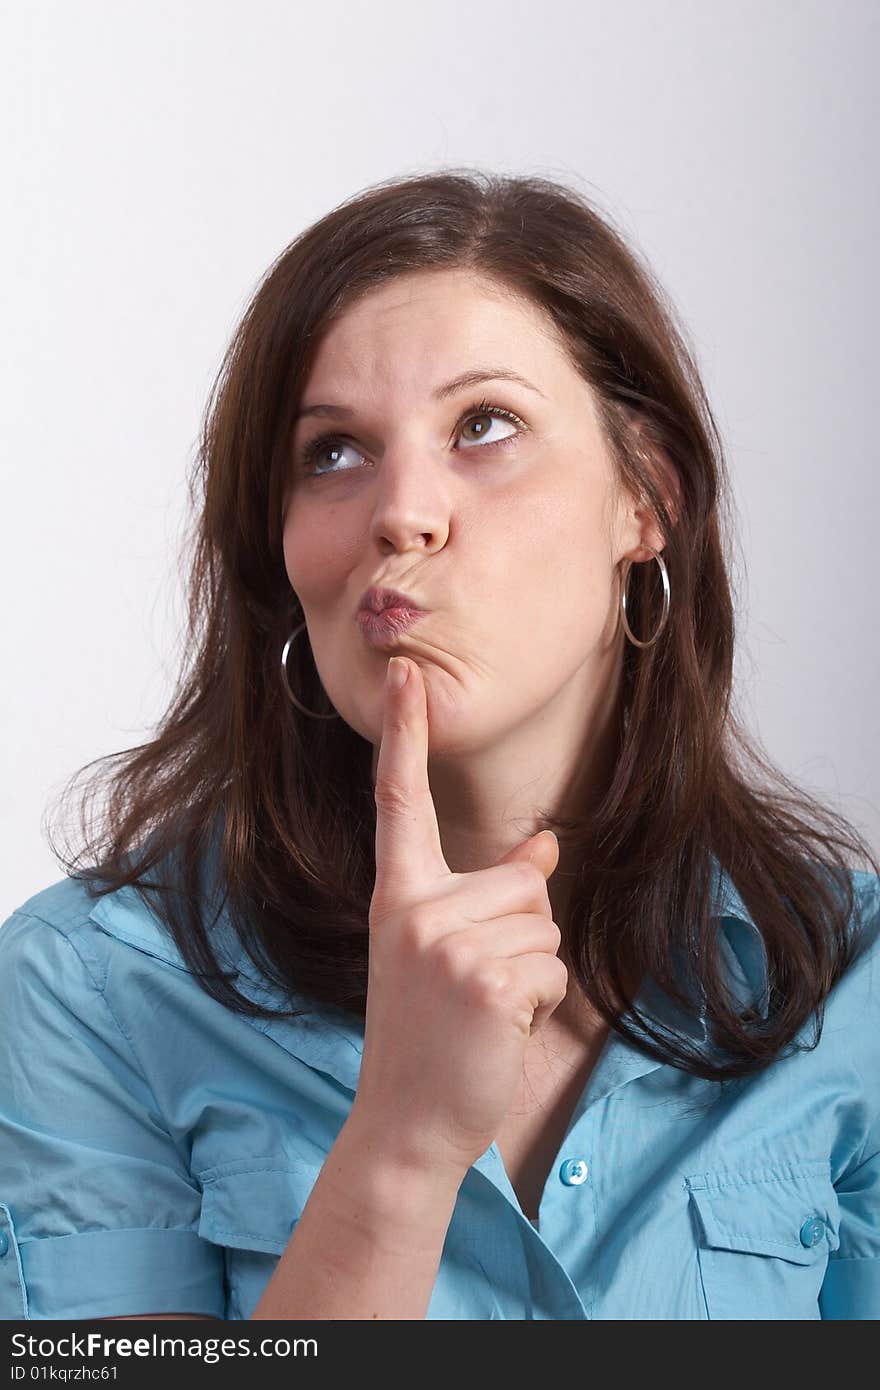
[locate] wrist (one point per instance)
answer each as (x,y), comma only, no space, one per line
(401,1176)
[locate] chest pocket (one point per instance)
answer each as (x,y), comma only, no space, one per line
(764,1238)
(253,1204)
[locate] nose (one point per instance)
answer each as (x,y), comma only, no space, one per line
(413,503)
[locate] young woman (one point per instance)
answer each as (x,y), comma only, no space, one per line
(513,991)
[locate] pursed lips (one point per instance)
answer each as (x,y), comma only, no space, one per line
(377,600)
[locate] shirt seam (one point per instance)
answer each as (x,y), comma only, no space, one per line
(247,1235)
(208,1177)
(720,1186)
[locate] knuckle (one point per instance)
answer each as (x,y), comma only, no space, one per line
(391,798)
(488,981)
(455,957)
(531,876)
(417,930)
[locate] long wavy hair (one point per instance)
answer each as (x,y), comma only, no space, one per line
(286,803)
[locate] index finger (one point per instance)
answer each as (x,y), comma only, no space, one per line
(408,848)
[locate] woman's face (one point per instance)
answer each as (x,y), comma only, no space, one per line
(508,531)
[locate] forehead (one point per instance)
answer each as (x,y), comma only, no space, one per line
(422,327)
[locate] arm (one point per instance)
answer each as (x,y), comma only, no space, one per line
(85,1154)
(369,1240)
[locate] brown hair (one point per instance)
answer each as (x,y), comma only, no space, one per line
(288,801)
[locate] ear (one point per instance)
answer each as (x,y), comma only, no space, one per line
(657,459)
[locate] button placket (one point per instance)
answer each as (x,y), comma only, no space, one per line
(568,1209)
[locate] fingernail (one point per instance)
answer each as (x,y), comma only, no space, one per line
(398,671)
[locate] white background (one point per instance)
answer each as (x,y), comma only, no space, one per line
(156,158)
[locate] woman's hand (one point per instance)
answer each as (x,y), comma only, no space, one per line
(462,966)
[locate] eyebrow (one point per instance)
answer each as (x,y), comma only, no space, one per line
(458,383)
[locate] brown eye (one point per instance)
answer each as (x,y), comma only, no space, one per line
(482,419)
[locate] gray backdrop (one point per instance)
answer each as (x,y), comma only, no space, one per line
(156,158)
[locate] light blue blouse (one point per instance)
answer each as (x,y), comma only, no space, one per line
(156,1149)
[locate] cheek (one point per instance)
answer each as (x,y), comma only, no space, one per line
(314,556)
(550,550)
(553,591)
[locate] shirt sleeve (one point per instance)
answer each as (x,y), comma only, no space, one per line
(851,1288)
(98,1210)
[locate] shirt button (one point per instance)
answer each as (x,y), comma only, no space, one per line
(4,1244)
(812,1231)
(574,1171)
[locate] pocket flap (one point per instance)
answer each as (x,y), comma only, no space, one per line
(790,1212)
(255,1206)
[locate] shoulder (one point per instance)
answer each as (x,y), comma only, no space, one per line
(71,931)
(62,906)
(54,980)
(99,974)
(44,929)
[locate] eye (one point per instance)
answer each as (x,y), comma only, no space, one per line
(476,414)
(489,412)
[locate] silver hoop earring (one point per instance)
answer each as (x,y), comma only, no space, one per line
(666,598)
(285,678)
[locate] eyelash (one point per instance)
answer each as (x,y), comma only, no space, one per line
(484,407)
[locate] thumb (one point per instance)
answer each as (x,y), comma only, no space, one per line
(541,849)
